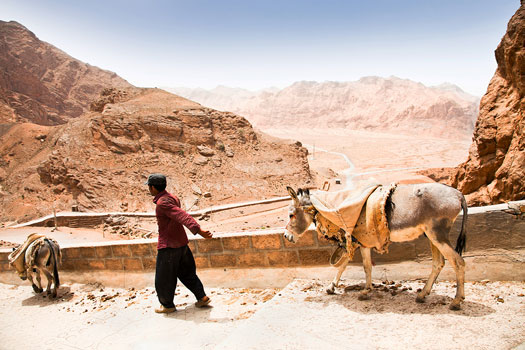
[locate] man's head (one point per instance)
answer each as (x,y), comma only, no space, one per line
(156,183)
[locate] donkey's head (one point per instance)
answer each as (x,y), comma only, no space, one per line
(301,212)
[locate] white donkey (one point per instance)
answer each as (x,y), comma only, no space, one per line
(411,210)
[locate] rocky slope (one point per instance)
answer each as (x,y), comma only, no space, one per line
(495,169)
(100,161)
(372,103)
(42,84)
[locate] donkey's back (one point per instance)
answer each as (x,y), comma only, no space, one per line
(429,208)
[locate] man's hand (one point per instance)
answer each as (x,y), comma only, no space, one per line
(205,234)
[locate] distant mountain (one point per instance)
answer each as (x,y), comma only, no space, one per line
(371,103)
(42,84)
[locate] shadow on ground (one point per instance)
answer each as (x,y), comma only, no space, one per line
(64,294)
(392,299)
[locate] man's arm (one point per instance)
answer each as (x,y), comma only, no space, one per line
(181,216)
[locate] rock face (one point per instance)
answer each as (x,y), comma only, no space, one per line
(99,162)
(495,169)
(43,85)
(372,103)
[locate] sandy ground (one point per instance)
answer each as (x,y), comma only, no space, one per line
(302,316)
(94,317)
(374,151)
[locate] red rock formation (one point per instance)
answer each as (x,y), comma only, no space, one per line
(495,169)
(43,85)
(100,160)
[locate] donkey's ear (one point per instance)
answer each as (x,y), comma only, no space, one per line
(292,193)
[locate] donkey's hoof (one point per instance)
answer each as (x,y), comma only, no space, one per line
(37,290)
(330,290)
(363,296)
(420,300)
(455,306)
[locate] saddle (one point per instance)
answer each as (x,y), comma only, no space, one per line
(365,209)
(17,258)
(33,248)
(342,208)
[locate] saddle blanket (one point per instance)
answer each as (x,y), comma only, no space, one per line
(342,208)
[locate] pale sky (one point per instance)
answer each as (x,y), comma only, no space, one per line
(264,43)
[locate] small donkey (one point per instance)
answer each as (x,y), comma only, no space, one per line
(415,209)
(41,256)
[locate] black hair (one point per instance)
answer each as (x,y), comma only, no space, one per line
(159,188)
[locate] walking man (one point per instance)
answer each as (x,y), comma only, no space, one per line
(174,257)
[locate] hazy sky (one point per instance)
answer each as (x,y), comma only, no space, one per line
(258,44)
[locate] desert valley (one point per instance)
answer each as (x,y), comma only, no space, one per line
(76,139)
(74,135)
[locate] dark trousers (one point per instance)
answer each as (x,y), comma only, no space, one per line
(173,263)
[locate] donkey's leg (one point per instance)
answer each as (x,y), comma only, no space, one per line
(36,287)
(439,237)
(331,288)
(438,262)
(458,264)
(49,280)
(366,254)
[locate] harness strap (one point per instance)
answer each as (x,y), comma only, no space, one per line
(325,228)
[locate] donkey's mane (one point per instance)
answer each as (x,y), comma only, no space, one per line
(304,196)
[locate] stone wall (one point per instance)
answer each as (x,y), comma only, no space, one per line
(495,227)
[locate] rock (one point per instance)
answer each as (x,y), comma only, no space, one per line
(228,151)
(205,151)
(51,86)
(494,170)
(217,161)
(196,189)
(200,160)
(207,194)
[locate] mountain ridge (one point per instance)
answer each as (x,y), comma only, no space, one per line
(371,103)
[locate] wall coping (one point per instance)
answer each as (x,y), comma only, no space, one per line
(196,214)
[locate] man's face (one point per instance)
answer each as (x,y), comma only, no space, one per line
(152,190)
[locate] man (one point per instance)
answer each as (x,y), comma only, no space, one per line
(174,257)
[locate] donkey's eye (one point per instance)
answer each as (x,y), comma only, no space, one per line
(292,216)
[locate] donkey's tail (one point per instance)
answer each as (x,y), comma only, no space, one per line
(55,262)
(462,238)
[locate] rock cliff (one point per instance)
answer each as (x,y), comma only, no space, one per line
(495,169)
(42,84)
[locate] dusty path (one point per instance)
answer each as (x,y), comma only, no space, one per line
(302,316)
(95,317)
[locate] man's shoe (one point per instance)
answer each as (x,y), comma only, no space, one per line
(165,310)
(203,302)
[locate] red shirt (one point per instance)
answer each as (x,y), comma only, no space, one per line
(170,218)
